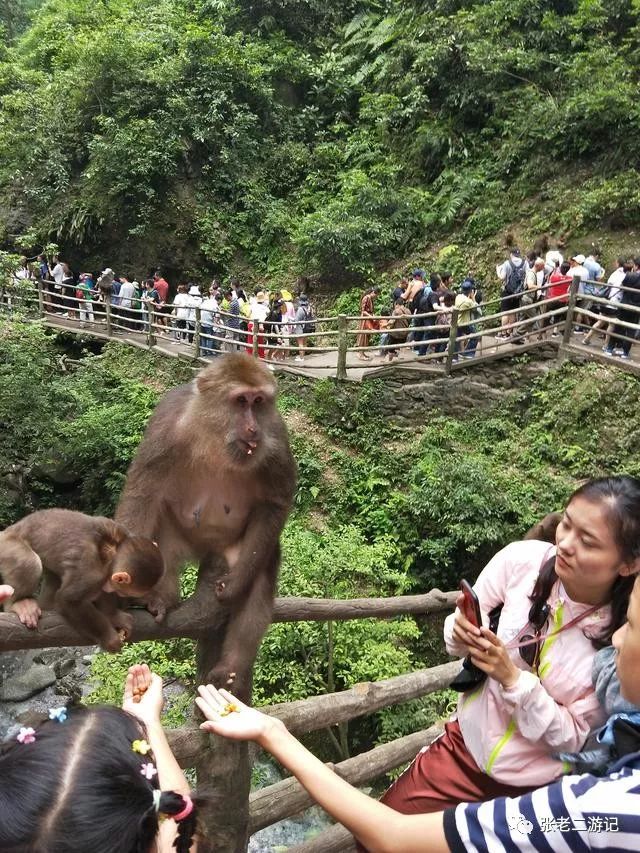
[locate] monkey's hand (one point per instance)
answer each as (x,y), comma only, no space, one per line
(112,642)
(123,623)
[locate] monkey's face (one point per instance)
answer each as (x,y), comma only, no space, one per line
(250,415)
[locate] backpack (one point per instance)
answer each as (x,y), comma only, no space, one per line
(309,324)
(515,278)
(420,302)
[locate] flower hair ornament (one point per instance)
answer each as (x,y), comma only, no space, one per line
(59,714)
(141,747)
(148,771)
(26,735)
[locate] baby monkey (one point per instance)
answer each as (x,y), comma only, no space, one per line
(86,564)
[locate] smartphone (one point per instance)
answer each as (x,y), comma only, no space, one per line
(470,606)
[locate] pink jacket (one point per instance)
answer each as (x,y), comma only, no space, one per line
(512,734)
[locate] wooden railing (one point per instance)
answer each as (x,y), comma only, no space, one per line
(441,349)
(225,765)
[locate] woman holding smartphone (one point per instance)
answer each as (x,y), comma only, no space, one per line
(572,814)
(560,604)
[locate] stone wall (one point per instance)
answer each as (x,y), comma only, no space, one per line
(407,395)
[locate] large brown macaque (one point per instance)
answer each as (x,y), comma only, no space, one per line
(85,564)
(213,481)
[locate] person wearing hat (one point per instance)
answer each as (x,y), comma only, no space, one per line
(466,304)
(304,316)
(577,269)
(259,308)
(194,301)
(368,321)
(181,304)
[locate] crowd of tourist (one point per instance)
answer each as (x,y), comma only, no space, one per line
(226,317)
(533,300)
(532,305)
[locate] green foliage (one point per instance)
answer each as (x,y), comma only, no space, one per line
(304,658)
(281,138)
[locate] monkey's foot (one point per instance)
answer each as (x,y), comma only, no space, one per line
(220,676)
(157,608)
(28,611)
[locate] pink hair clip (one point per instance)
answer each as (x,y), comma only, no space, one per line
(148,771)
(186,811)
(26,735)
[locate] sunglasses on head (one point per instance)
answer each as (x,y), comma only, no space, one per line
(531,643)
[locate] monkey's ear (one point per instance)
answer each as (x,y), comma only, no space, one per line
(121,579)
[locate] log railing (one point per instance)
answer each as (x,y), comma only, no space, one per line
(442,349)
(225,765)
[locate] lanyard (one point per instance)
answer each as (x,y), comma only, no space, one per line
(514,644)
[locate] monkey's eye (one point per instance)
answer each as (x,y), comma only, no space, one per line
(258,400)
(242,400)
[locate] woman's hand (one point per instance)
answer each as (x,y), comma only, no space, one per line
(465,632)
(143,694)
(491,656)
(229,717)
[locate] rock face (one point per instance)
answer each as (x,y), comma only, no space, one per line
(33,681)
(26,684)
(407,396)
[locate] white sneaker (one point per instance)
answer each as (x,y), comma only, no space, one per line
(298,358)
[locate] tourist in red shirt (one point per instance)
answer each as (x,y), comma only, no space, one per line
(558,289)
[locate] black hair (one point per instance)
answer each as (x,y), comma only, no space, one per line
(620,498)
(565,266)
(79,786)
(445,275)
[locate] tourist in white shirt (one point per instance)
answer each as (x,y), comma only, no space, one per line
(209,310)
(195,301)
(181,312)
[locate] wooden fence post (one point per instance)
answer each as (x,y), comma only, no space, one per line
(568,320)
(451,347)
(196,336)
(151,338)
(107,306)
(254,343)
(40,298)
(225,766)
(343,345)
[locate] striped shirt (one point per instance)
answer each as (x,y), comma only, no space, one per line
(574,815)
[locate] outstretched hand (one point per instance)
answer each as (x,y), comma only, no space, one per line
(231,718)
(6,591)
(143,694)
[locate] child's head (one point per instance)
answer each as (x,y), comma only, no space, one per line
(626,641)
(81,786)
